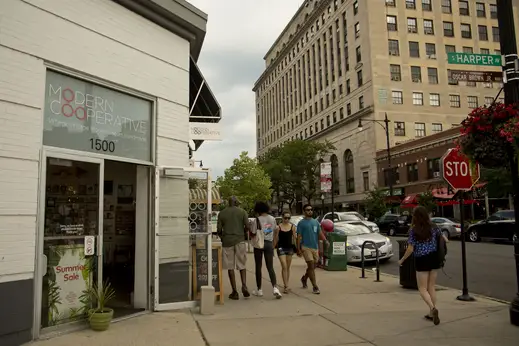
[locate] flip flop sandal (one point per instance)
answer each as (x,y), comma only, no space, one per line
(286,290)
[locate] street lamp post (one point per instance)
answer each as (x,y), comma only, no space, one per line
(505,17)
(385,124)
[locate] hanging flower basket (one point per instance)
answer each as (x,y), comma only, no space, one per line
(489,134)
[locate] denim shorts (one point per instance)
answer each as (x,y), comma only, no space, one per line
(285,251)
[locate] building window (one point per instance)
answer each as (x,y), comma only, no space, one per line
(436,127)
(361,102)
(448,29)
(393,47)
(480,10)
(412,26)
(419,129)
(412,172)
(341,113)
(334,117)
(348,109)
(433,168)
(327,121)
(426,5)
(410,4)
(350,171)
(455,101)
(359,78)
(451,81)
(489,100)
(416,74)
(414,49)
(398,97)
(484,51)
(391,23)
(466,30)
(472,101)
(495,34)
(357,30)
(348,87)
(483,33)
(391,3)
(399,128)
(434,100)
(365,180)
(493,11)
(432,73)
(430,50)
(417,99)
(355,8)
(446,6)
(391,175)
(359,54)
(450,48)
(395,72)
(464,8)
(428,27)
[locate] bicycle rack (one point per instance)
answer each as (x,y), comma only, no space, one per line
(376,258)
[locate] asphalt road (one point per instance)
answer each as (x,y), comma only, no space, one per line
(490,268)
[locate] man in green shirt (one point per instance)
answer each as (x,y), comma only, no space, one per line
(232,228)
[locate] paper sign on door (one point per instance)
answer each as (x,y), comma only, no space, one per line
(89,245)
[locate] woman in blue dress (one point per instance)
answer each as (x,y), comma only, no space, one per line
(423,243)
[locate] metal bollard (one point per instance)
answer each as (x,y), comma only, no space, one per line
(376,258)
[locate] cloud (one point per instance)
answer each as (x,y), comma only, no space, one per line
(239,33)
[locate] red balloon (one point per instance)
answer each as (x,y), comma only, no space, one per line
(327,225)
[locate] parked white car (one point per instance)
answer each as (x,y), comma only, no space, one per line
(351,216)
(356,235)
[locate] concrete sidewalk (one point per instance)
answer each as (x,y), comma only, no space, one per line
(349,311)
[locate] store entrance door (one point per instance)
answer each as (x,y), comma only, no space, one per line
(72,223)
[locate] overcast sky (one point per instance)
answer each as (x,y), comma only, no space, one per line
(239,33)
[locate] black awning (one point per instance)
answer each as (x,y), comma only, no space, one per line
(203,106)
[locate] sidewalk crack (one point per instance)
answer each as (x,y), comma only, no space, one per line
(349,331)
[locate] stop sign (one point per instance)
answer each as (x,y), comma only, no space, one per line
(458,171)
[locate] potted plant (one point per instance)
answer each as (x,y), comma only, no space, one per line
(101,316)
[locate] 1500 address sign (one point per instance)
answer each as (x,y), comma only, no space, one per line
(102,145)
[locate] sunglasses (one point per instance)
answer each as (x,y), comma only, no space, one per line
(286,218)
(309,209)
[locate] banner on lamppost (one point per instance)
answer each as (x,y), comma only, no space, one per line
(326,177)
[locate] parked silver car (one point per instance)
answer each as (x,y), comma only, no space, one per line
(296,218)
(449,227)
(351,216)
(357,234)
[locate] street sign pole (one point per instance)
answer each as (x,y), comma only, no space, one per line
(461,175)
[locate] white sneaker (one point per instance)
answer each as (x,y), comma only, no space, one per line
(276,292)
(257,293)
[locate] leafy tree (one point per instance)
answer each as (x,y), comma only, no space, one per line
(195,183)
(426,200)
(499,181)
(246,180)
(294,168)
(375,201)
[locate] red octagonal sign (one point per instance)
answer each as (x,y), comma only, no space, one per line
(458,170)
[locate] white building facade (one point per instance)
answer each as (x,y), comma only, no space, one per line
(95,105)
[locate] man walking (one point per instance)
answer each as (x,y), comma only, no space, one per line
(308,234)
(232,228)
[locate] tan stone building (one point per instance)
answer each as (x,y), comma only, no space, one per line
(338,62)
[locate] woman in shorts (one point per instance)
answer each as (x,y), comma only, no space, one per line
(284,244)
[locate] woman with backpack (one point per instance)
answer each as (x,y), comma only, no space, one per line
(428,245)
(262,240)
(285,244)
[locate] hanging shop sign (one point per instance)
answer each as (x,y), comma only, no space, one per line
(205,131)
(326,177)
(84,116)
(69,279)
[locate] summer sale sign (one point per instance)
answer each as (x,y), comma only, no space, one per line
(69,280)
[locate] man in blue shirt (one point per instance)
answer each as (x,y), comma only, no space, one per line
(308,234)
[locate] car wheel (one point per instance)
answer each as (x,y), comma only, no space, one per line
(473,236)
(446,234)
(391,231)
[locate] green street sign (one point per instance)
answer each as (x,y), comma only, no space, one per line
(474,59)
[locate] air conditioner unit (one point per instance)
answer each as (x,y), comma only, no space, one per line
(431,56)
(412,30)
(417,80)
(397,181)
(392,52)
(395,78)
(436,174)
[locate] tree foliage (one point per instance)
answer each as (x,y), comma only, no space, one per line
(246,180)
(294,169)
(499,182)
(195,183)
(375,201)
(426,200)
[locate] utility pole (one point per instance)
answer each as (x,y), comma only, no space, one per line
(505,17)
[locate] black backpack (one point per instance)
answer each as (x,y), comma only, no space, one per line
(441,247)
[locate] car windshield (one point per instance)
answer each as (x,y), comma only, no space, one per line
(351,230)
(295,219)
(403,218)
(359,216)
(348,217)
(506,214)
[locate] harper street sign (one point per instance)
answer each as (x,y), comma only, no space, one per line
(476,76)
(474,59)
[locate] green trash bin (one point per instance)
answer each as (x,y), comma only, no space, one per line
(336,256)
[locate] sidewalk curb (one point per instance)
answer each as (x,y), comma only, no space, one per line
(442,287)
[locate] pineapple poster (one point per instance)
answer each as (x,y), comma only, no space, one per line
(69,280)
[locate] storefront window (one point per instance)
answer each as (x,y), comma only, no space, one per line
(83,116)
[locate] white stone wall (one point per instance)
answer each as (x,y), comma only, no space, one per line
(98,38)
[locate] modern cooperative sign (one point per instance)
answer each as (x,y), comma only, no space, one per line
(83,116)
(205,131)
